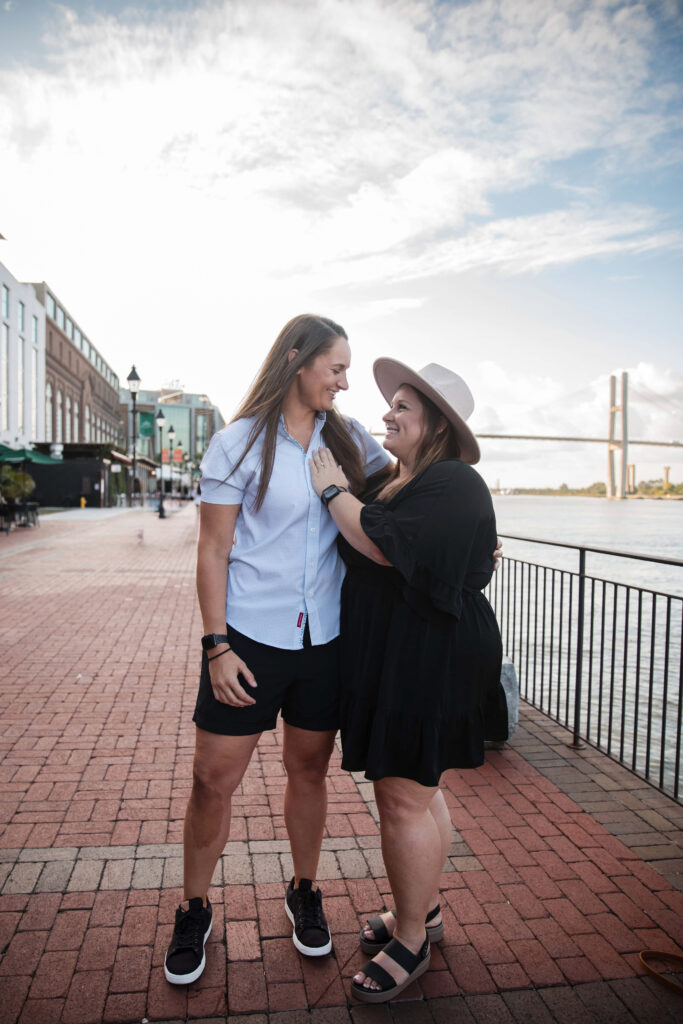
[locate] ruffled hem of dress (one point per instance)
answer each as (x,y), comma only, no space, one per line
(406,747)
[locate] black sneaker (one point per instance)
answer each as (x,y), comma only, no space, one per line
(304,908)
(185,959)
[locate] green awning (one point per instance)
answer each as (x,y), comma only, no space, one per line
(19,455)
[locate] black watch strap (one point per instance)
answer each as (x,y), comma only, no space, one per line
(331,492)
(211,640)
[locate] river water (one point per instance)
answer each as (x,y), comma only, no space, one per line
(646,527)
(630,664)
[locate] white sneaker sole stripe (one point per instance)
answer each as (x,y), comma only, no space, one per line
(307,950)
(187,979)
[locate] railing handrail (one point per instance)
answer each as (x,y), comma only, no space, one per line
(597,551)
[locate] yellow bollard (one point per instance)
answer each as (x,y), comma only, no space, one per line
(83,502)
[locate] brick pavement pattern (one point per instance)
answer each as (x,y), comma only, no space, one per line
(545,909)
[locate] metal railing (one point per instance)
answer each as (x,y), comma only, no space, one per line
(602,658)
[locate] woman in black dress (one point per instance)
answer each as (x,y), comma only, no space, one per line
(421,649)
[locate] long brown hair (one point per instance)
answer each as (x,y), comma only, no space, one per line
(310,335)
(436,444)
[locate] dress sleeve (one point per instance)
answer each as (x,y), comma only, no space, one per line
(432,533)
(220,485)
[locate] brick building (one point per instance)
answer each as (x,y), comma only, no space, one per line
(81,389)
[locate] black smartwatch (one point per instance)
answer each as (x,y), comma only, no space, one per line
(331,492)
(212,640)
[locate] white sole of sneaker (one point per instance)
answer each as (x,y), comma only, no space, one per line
(187,979)
(307,950)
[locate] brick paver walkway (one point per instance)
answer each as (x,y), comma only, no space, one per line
(545,909)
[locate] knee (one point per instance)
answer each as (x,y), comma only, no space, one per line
(310,770)
(398,803)
(212,784)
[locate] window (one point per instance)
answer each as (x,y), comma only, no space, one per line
(48,412)
(86,347)
(34,394)
(20,385)
(78,338)
(60,317)
(67,432)
(22,317)
(87,423)
(93,356)
(5,300)
(51,307)
(77,424)
(59,425)
(4,377)
(34,330)
(69,328)
(202,432)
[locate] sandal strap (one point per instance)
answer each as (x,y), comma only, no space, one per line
(404,957)
(379,929)
(433,913)
(378,974)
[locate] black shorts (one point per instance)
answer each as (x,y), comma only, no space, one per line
(302,684)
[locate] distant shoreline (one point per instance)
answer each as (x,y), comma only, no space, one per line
(515,493)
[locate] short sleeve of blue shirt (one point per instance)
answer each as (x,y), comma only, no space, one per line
(220,485)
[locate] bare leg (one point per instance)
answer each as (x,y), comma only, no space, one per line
(439,811)
(412,850)
(219,765)
(306,756)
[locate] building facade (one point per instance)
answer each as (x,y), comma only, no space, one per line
(194,420)
(22,362)
(81,391)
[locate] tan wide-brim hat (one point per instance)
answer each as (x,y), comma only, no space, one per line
(449,393)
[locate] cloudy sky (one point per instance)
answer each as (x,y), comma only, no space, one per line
(490,184)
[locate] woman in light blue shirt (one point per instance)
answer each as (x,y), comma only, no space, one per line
(271,622)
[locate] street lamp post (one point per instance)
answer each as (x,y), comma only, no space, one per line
(171,446)
(160,421)
(180,469)
(134,386)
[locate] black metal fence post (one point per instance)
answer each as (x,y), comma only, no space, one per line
(576,742)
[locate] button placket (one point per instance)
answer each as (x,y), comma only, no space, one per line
(312,539)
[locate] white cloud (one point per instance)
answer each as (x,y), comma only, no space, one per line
(187,180)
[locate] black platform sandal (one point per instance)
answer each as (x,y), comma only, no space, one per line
(414,963)
(382,936)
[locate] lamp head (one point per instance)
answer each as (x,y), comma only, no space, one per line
(133,379)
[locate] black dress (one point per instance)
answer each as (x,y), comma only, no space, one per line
(420,645)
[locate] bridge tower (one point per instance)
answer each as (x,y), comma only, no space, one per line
(616,486)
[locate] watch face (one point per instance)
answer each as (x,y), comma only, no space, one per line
(211,640)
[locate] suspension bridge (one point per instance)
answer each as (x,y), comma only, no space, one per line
(621,476)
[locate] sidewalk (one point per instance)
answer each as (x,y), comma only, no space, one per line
(551,891)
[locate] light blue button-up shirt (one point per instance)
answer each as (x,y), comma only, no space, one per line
(284,568)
